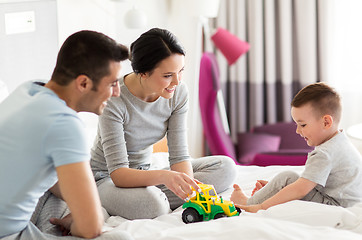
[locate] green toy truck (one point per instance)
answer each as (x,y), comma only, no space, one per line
(207,205)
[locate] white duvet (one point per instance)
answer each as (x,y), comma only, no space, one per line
(293,220)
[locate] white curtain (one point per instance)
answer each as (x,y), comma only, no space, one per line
(289,48)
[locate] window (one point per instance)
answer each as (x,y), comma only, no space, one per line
(346,73)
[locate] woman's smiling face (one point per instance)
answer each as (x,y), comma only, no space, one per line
(163,80)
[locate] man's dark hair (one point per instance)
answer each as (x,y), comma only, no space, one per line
(88,53)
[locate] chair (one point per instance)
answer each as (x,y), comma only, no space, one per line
(218,140)
(273,144)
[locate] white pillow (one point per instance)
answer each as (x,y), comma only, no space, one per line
(3,91)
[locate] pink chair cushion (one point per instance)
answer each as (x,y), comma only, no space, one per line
(286,130)
(278,158)
(253,143)
(263,150)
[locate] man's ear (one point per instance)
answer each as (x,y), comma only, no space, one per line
(327,121)
(83,83)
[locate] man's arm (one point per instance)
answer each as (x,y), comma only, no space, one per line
(78,189)
(56,191)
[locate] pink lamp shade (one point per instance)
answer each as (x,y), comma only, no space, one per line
(230,45)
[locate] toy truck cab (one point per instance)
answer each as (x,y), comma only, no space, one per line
(207,205)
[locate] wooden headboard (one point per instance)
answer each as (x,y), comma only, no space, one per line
(160,146)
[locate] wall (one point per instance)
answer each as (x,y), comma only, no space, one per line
(187,27)
(105,16)
(28,48)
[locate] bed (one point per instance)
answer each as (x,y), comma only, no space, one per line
(293,220)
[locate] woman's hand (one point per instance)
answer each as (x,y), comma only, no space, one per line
(180,183)
(179,179)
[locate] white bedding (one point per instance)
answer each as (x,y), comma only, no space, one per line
(293,220)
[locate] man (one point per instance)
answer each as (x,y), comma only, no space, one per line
(42,140)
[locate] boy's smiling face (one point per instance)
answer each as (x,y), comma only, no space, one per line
(312,127)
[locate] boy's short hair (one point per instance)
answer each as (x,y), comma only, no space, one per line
(323,98)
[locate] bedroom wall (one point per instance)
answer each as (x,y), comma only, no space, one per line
(107,16)
(28,40)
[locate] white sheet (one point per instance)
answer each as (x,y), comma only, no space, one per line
(293,220)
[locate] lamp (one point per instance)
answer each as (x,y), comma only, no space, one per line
(212,107)
(232,48)
(230,45)
(204,8)
(135,18)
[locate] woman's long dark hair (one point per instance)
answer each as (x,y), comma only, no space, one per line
(151,48)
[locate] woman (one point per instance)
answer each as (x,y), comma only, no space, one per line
(153,103)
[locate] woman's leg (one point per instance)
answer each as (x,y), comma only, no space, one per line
(132,203)
(219,171)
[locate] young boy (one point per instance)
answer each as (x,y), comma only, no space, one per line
(333,171)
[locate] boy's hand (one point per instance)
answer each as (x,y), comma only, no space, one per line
(258,185)
(250,208)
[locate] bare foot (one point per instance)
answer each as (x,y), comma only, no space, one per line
(258,185)
(237,196)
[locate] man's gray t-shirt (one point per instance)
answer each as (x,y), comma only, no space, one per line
(129,127)
(336,166)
